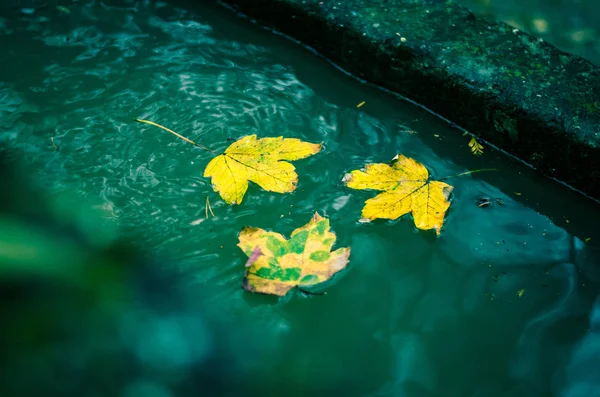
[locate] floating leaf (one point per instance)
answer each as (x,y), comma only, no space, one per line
(476,147)
(257,160)
(277,265)
(251,159)
(406,188)
(520,292)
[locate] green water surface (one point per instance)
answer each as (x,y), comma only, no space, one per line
(413,314)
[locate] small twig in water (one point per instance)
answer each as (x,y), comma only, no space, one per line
(174,133)
(53,144)
(209,208)
(469,172)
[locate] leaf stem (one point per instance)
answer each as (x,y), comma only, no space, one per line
(174,133)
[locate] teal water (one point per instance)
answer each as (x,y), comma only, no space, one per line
(413,314)
(571,25)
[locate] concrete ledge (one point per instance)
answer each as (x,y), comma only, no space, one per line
(511,89)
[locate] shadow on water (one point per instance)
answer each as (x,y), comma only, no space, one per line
(503,303)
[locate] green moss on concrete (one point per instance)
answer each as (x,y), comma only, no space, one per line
(516,91)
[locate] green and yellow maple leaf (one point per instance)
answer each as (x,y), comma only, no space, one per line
(277,265)
(259,161)
(406,188)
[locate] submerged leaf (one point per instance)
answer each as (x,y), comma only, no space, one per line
(259,161)
(406,188)
(63,9)
(303,260)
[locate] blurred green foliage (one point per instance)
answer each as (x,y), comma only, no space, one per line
(86,319)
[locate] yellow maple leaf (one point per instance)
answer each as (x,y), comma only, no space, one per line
(406,188)
(251,159)
(476,147)
(259,161)
(277,265)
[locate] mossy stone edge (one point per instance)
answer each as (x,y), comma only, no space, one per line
(512,89)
